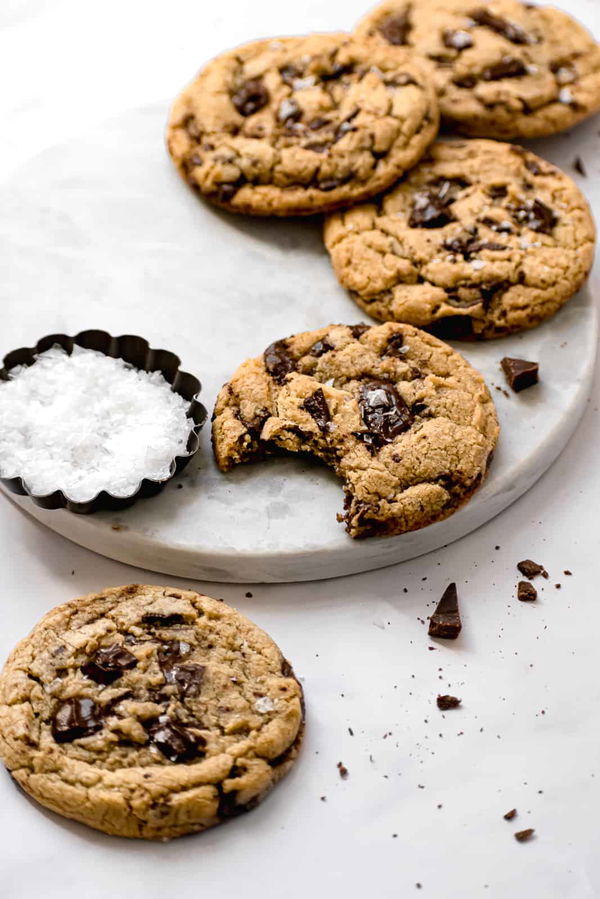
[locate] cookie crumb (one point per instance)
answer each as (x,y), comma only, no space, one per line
(531,569)
(343,770)
(526,592)
(523,835)
(510,815)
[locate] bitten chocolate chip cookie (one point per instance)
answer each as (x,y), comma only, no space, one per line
(502,69)
(400,416)
(148,712)
(302,124)
(479,240)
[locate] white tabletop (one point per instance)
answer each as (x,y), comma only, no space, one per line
(527,735)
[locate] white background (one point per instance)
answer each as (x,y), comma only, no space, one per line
(528,732)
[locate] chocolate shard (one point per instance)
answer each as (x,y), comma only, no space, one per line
(526,592)
(469,245)
(510,30)
(108,664)
(76,718)
(531,569)
(508,816)
(176,743)
(384,413)
(429,211)
(278,361)
(317,408)
(156,619)
(396,28)
(173,651)
(447,702)
(519,373)
(250,97)
(457,40)
(343,771)
(445,621)
(523,835)
(187,678)
(507,67)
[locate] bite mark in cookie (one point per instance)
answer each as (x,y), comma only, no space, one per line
(402,419)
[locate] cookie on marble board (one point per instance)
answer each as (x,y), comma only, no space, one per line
(480,240)
(403,419)
(299,125)
(148,712)
(503,68)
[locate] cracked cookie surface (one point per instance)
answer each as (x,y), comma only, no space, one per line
(503,69)
(148,712)
(299,125)
(479,240)
(401,417)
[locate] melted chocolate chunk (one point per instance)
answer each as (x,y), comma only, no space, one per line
(250,97)
(170,653)
(156,619)
(507,67)
(175,742)
(447,702)
(396,28)
(526,592)
(317,123)
(497,191)
(286,668)
(187,678)
(457,40)
(320,348)
(76,718)
(316,406)
(445,621)
(278,361)
(531,569)
(337,70)
(536,215)
(290,72)
(108,664)
(510,30)
(469,245)
(430,206)
(503,227)
(519,373)
(357,331)
(395,346)
(288,111)
(229,807)
(453,327)
(384,413)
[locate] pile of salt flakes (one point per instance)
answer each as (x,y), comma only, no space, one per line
(85,422)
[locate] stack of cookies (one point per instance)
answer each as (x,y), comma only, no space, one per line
(467,238)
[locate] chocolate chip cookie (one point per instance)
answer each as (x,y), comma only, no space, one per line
(503,69)
(302,124)
(148,712)
(402,418)
(481,239)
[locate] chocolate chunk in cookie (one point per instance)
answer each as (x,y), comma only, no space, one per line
(108,664)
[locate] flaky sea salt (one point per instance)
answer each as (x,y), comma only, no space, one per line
(264,704)
(86,422)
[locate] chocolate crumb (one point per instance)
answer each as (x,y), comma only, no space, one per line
(343,770)
(530,569)
(523,835)
(579,166)
(248,595)
(447,702)
(510,815)
(520,374)
(567,572)
(445,621)
(526,592)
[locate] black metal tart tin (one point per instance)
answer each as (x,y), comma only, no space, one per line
(136,351)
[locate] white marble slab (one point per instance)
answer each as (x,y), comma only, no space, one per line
(101,232)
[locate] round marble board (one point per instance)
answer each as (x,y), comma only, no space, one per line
(102,233)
